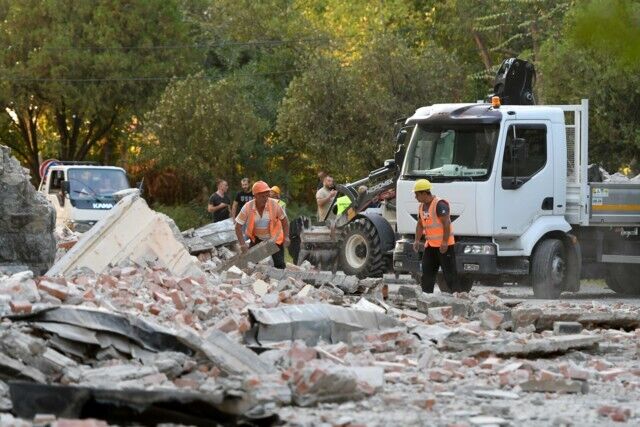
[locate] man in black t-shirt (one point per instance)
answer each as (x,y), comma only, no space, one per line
(219,202)
(242,197)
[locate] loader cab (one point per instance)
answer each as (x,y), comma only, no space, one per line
(81,195)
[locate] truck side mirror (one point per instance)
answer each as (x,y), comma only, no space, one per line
(66,187)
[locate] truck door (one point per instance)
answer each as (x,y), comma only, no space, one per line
(54,193)
(524,188)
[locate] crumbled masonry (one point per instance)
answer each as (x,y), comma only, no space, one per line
(261,346)
(27,220)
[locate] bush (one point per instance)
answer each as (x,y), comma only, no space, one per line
(189,215)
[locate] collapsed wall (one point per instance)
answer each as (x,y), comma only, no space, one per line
(27,220)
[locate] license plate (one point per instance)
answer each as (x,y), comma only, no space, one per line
(471,267)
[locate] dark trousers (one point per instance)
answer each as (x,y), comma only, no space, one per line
(432,259)
(278,257)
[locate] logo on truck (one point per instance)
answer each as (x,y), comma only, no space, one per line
(102,205)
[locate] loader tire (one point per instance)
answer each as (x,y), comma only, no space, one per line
(295,228)
(361,250)
(623,278)
(549,269)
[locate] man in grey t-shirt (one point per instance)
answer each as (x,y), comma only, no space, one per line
(324,196)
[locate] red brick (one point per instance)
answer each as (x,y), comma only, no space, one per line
(470,362)
(186,285)
(67,245)
(20,306)
(59,291)
(178,299)
(186,383)
(160,297)
(89,295)
(615,413)
(611,374)
(154,309)
(440,314)
(227,324)
(439,375)
(128,271)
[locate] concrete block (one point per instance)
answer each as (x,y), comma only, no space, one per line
(254,255)
(567,328)
(130,231)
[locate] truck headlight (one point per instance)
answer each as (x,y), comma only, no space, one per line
(479,250)
(401,245)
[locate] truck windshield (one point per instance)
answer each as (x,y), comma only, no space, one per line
(451,153)
(90,183)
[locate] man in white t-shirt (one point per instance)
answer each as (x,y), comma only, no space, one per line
(324,197)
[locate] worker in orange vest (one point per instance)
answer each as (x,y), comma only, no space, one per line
(265,220)
(434,223)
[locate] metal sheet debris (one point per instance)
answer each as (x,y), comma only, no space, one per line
(312,323)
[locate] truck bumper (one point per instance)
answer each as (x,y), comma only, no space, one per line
(406,260)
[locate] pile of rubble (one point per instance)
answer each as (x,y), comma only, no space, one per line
(251,345)
(137,323)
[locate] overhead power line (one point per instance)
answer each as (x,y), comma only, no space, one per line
(194,46)
(139,79)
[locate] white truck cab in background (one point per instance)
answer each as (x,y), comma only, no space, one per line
(83,193)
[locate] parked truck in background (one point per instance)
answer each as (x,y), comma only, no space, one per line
(522,207)
(82,192)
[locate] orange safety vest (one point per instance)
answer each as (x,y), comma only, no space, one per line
(275,225)
(432,226)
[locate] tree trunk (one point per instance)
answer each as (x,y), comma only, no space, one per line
(484,52)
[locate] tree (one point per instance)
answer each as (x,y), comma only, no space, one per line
(204,129)
(579,66)
(341,117)
(82,69)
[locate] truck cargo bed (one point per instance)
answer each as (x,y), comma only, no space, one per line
(614,204)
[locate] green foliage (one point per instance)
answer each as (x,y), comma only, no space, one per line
(204,129)
(342,116)
(75,71)
(186,216)
(575,68)
(612,29)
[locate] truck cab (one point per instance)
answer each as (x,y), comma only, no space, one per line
(504,171)
(82,194)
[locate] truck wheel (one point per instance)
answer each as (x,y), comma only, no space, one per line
(549,269)
(623,278)
(361,252)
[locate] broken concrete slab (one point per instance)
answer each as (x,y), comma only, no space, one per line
(497,394)
(254,255)
(12,369)
(326,382)
(460,307)
(210,236)
(555,385)
(567,328)
(232,358)
(131,231)
(347,284)
(142,332)
(471,345)
(27,219)
(312,323)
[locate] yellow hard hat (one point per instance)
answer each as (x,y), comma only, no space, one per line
(276,189)
(422,185)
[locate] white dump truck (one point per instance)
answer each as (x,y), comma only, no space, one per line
(82,192)
(523,208)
